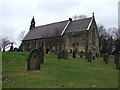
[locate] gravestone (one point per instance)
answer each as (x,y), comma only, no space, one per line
(81,54)
(118,61)
(34,60)
(41,52)
(47,51)
(89,56)
(106,58)
(59,55)
(93,57)
(74,54)
(70,51)
(65,55)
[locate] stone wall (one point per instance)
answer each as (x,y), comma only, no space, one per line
(80,41)
(93,39)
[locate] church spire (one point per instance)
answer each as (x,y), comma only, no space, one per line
(32,23)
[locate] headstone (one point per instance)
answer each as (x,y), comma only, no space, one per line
(118,61)
(74,53)
(41,51)
(81,54)
(106,58)
(59,55)
(47,51)
(34,60)
(93,57)
(89,56)
(65,55)
(70,51)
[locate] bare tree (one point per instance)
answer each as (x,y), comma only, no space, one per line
(21,35)
(79,17)
(106,40)
(113,31)
(5,43)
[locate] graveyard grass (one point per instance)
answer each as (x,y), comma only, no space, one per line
(54,73)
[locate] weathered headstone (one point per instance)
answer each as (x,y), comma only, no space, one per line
(59,55)
(65,55)
(81,54)
(47,51)
(93,57)
(106,58)
(74,54)
(41,52)
(34,60)
(70,51)
(89,56)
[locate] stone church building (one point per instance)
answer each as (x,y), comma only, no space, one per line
(68,35)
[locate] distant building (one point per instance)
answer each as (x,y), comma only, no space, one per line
(81,35)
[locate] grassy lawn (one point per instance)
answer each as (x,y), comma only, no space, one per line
(54,73)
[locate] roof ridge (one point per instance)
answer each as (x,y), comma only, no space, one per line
(83,19)
(51,23)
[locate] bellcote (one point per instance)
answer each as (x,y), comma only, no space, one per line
(32,23)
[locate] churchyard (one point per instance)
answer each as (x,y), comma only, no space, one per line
(58,73)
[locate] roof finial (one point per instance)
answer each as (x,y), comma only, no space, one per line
(93,14)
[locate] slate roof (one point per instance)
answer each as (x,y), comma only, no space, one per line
(78,25)
(48,30)
(55,29)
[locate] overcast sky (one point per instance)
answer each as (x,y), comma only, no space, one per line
(16,15)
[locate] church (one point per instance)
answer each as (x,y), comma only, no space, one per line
(69,35)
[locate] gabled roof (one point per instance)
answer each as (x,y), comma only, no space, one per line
(49,30)
(57,29)
(78,25)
